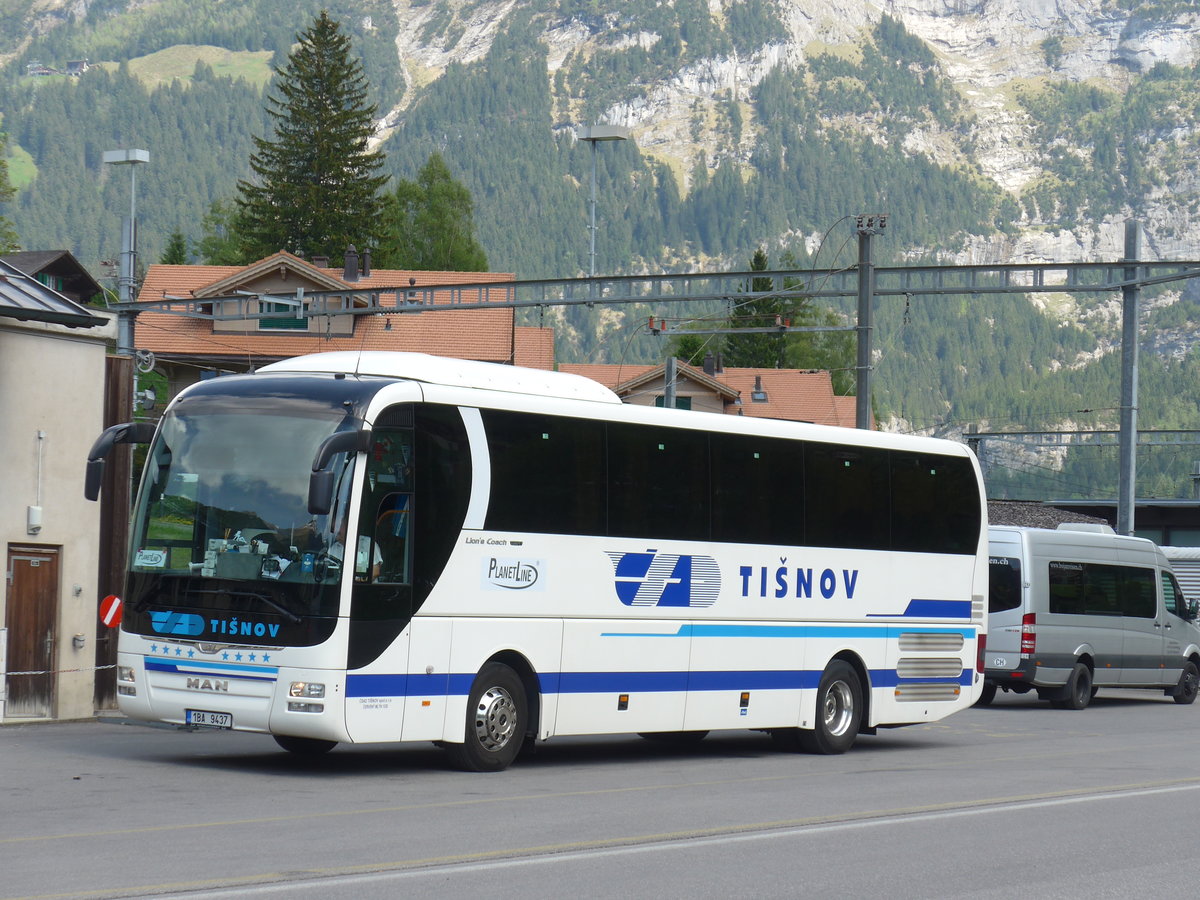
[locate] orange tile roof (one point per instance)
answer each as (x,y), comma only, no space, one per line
(481,334)
(798,395)
(608,375)
(534,347)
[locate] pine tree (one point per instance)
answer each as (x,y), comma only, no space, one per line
(430,225)
(176,252)
(761,350)
(316,191)
(8,236)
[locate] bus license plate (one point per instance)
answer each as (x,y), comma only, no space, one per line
(204,719)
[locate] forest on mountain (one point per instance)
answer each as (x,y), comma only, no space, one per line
(782,165)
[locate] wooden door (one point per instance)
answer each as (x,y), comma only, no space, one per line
(31,613)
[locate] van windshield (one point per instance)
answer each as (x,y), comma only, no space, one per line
(1004,583)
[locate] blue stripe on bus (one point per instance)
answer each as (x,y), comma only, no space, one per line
(203,667)
(931,609)
(697,629)
(459,685)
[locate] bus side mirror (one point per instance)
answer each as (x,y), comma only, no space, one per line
(125,433)
(320,481)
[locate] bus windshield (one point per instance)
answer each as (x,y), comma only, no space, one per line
(222,519)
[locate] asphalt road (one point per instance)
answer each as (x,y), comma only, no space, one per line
(1014,800)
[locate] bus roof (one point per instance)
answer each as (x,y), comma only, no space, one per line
(455,372)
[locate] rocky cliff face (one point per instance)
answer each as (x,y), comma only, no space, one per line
(988,48)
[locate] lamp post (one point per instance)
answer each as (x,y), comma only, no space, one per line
(593,134)
(127,279)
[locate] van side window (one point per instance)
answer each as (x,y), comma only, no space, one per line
(1138,593)
(1173,597)
(1090,589)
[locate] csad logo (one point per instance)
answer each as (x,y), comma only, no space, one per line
(665,579)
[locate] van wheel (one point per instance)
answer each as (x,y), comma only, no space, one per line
(839,711)
(1189,684)
(301,746)
(1078,691)
(496,720)
(987,695)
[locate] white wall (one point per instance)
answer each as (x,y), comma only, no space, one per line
(52,382)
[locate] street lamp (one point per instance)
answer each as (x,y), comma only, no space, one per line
(593,134)
(127,278)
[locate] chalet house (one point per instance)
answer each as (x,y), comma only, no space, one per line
(57,270)
(798,395)
(187,348)
(52,391)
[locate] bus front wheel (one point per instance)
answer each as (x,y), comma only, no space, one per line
(495,724)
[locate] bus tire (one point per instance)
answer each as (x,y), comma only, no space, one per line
(987,695)
(839,711)
(1078,692)
(302,746)
(495,724)
(1189,684)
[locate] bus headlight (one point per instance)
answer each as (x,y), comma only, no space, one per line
(306,689)
(125,673)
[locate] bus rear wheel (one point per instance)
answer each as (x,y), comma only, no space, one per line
(839,714)
(301,746)
(495,723)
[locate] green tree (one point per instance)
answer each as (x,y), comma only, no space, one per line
(8,236)
(218,244)
(761,350)
(176,252)
(316,190)
(429,224)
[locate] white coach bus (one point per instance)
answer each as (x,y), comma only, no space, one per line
(531,558)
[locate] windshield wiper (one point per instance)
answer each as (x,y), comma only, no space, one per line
(262,598)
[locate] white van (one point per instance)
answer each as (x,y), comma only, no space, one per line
(1080,607)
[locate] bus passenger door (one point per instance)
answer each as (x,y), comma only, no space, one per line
(376,694)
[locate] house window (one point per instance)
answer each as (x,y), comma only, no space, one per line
(54,282)
(292,324)
(680,402)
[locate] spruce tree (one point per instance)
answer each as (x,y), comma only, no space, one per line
(761,350)
(8,236)
(316,190)
(176,251)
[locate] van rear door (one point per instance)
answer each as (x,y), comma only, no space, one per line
(1006,601)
